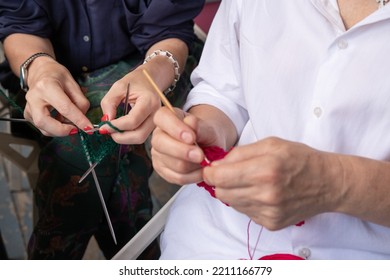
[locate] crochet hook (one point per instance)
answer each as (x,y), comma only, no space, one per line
(166,102)
(103,203)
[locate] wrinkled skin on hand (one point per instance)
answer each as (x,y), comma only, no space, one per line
(276,183)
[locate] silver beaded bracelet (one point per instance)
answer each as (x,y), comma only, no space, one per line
(172,59)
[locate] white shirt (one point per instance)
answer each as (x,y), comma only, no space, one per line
(290,69)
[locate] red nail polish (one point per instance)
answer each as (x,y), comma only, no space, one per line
(73,131)
(104,118)
(104,131)
(88,130)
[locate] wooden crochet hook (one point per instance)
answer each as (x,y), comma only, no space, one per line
(166,102)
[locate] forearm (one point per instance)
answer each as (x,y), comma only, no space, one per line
(365,187)
(220,124)
(160,68)
(19,47)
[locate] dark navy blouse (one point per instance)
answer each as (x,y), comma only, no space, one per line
(90,34)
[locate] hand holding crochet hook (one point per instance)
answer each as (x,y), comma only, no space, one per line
(176,153)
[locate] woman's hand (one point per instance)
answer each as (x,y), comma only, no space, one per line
(138,123)
(174,153)
(143,102)
(52,87)
(176,141)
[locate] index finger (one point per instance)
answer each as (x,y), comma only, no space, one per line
(114,97)
(40,115)
(69,101)
(139,112)
(45,122)
(173,125)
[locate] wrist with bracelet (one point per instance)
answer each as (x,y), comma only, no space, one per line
(24,69)
(174,62)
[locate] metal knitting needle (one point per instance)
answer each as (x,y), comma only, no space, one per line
(166,102)
(96,127)
(103,203)
(124,113)
(89,170)
(13,119)
(127,100)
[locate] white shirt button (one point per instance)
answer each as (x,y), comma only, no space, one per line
(84,68)
(304,253)
(317,112)
(86,38)
(342,44)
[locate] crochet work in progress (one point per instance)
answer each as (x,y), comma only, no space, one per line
(215,153)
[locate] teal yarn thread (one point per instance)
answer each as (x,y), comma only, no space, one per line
(111,125)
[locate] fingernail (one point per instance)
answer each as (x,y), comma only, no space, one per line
(73,131)
(88,130)
(186,137)
(194,155)
(104,131)
(104,118)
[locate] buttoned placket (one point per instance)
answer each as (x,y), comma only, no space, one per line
(86,42)
(338,47)
(318,107)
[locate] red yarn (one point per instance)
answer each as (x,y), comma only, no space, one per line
(281,257)
(212,153)
(215,153)
(301,223)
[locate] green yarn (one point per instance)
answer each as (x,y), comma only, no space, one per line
(111,125)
